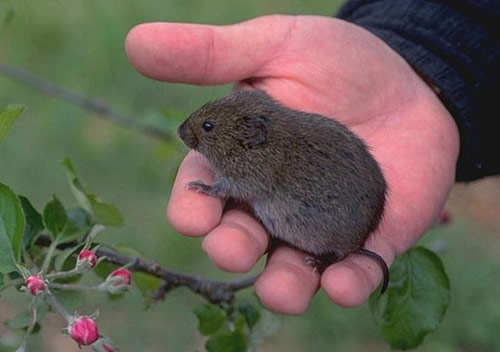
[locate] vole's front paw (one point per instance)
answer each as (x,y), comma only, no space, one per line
(314,263)
(321,262)
(200,187)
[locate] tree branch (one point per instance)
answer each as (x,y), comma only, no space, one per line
(101,108)
(212,290)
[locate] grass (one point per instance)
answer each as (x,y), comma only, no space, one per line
(79,45)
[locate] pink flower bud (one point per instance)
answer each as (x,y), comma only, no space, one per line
(444,217)
(87,257)
(35,284)
(121,277)
(117,282)
(84,331)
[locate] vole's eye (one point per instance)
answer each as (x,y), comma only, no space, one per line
(208,126)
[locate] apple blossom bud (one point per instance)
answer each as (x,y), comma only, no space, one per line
(444,217)
(84,331)
(123,275)
(86,257)
(35,284)
(118,281)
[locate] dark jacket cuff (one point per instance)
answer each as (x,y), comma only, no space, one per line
(453,46)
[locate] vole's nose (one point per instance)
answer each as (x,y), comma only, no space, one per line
(182,131)
(186,135)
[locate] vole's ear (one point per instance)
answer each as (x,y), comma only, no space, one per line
(256,128)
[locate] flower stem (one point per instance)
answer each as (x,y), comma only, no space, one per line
(50,254)
(93,234)
(63,274)
(52,300)
(75,287)
(31,325)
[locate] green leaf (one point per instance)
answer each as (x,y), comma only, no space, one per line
(34,222)
(104,213)
(7,117)
(146,283)
(227,341)
(251,314)
(23,271)
(11,229)
(54,217)
(79,223)
(415,301)
(67,264)
(210,317)
(239,322)
(64,255)
(103,269)
(77,187)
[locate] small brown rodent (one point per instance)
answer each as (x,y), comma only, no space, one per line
(311,182)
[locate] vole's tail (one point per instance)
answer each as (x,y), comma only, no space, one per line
(381,263)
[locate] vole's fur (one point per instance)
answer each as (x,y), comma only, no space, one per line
(312,183)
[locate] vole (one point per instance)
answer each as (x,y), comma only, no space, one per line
(311,182)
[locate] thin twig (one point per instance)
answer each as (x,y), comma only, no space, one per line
(31,325)
(51,300)
(212,290)
(162,291)
(101,108)
(75,287)
(63,274)
(48,256)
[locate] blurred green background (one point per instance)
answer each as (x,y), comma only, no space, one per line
(79,45)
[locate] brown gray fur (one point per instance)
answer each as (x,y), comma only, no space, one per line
(311,182)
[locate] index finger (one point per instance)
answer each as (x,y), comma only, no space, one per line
(191,213)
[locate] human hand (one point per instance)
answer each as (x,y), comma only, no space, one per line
(320,65)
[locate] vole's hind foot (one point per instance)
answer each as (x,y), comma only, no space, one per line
(319,263)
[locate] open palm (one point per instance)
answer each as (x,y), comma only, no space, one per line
(320,65)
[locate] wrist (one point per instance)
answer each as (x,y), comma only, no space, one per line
(454,49)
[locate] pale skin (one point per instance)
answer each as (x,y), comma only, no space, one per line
(326,66)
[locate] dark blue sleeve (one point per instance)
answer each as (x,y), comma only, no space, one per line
(455,46)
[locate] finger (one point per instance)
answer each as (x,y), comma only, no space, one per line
(204,54)
(350,282)
(189,212)
(288,284)
(237,243)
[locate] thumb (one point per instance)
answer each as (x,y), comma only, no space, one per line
(205,54)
